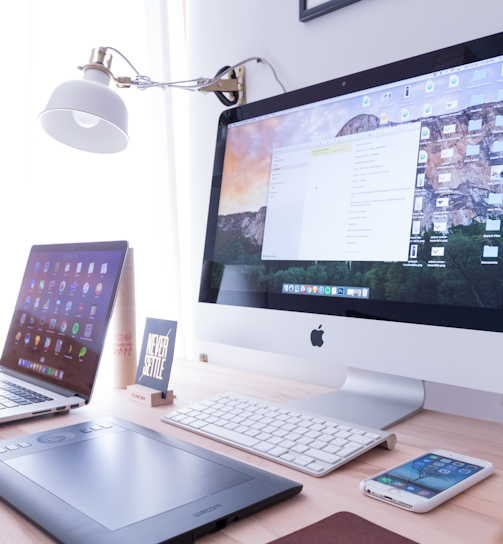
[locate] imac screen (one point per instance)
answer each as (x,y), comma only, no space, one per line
(379,195)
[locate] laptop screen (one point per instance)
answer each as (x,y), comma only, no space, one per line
(62,313)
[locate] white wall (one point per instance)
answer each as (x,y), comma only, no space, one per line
(361,36)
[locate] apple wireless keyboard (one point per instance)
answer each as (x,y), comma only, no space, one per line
(297,439)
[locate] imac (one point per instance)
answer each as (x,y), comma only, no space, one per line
(359,222)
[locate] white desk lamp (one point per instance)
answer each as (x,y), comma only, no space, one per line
(88,115)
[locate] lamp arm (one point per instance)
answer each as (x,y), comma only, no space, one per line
(199,84)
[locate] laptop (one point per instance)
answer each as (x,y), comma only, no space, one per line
(53,348)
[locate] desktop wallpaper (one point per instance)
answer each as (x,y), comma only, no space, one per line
(461,118)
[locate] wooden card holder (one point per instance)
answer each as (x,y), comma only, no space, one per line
(148,396)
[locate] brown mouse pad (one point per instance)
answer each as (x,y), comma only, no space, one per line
(344,528)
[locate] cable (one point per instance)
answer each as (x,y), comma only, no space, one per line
(144,82)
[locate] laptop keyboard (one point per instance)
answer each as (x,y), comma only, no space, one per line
(297,439)
(12,395)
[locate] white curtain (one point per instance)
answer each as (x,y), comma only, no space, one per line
(50,193)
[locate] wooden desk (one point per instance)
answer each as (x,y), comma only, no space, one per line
(475,516)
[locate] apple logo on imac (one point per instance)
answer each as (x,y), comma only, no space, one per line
(316,337)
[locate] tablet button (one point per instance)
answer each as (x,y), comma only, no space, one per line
(55,438)
(393,490)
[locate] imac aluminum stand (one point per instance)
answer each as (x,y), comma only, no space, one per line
(369,398)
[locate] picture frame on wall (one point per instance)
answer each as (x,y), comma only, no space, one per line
(310,9)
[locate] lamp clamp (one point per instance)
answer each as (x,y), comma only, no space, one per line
(234,85)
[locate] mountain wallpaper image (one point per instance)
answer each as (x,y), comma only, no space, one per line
(463,277)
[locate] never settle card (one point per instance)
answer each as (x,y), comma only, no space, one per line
(156,356)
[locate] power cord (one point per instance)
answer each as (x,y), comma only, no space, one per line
(144,82)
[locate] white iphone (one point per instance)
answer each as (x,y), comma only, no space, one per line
(424,482)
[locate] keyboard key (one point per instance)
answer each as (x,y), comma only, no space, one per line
(303,461)
(312,434)
(325,438)
(288,427)
(364,440)
(357,431)
(269,429)
(323,456)
(372,435)
(287,444)
(263,436)
(105,425)
(242,439)
(275,440)
(188,420)
(277,424)
(314,467)
(331,449)
(3,450)
(9,404)
(264,447)
(317,445)
(96,428)
(287,457)
(198,407)
(230,426)
(258,426)
(346,452)
(280,433)
(85,430)
(239,429)
(317,427)
(13,447)
(299,448)
(305,440)
(252,432)
(306,424)
(276,452)
(344,428)
(343,434)
(198,424)
(339,442)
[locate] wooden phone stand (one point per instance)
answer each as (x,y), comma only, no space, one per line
(148,396)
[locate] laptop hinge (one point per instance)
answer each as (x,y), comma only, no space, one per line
(40,383)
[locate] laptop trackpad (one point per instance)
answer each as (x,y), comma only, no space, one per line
(124,478)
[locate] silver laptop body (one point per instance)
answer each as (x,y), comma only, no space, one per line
(55,341)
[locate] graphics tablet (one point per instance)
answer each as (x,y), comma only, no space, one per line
(112,481)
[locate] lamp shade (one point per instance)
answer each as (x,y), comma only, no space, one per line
(87,114)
